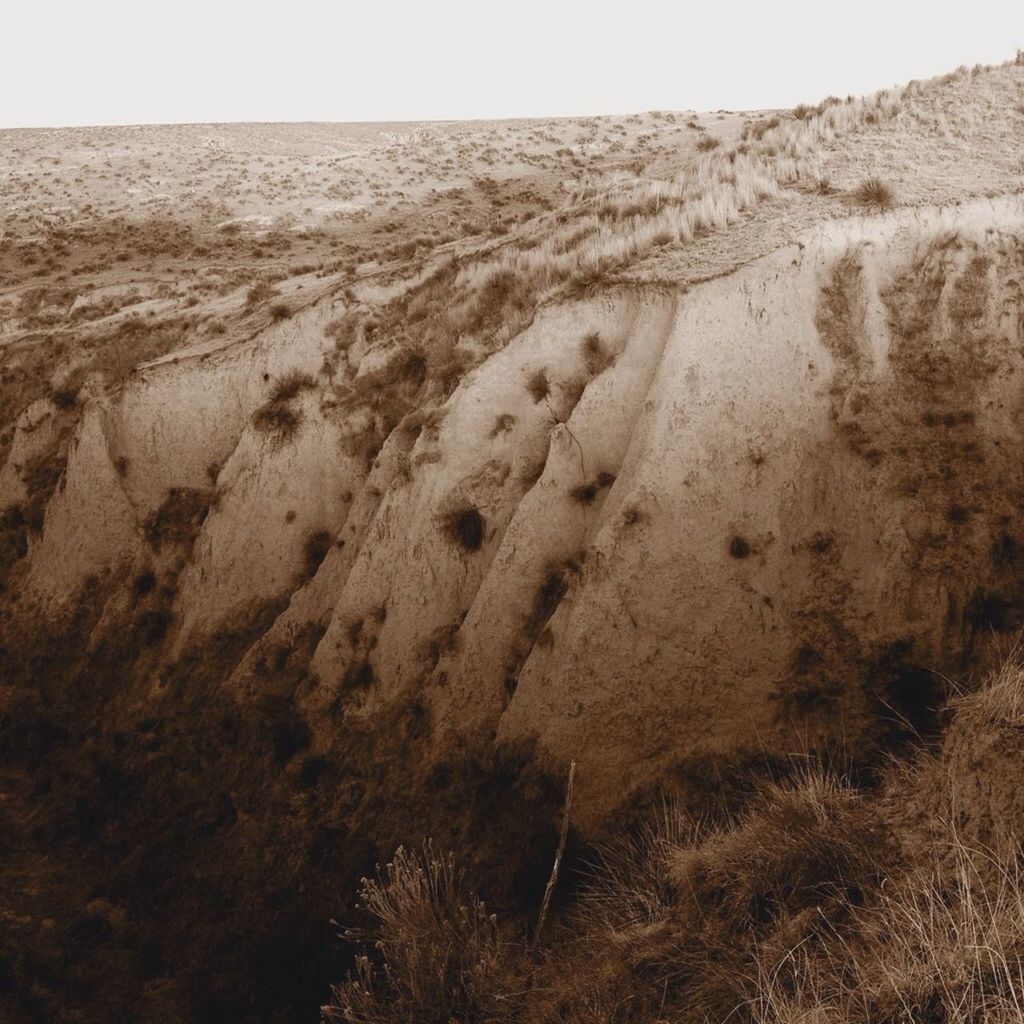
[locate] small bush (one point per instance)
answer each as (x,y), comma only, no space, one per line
(538,385)
(280,420)
(66,397)
(503,424)
(875,193)
(259,293)
(465,527)
(707,143)
(280,311)
(290,385)
(276,416)
(437,955)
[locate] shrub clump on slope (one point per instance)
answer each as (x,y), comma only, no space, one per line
(439,955)
(277,416)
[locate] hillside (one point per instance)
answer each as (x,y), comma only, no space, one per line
(357,480)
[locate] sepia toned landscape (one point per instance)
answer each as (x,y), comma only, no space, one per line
(510,572)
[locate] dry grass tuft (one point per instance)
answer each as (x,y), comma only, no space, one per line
(277,416)
(438,956)
(875,193)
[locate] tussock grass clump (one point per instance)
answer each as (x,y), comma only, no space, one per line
(290,385)
(280,420)
(804,902)
(439,955)
(999,701)
(875,194)
(675,918)
(276,416)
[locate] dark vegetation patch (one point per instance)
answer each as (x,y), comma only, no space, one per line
(277,416)
(739,547)
(503,424)
(315,551)
(596,356)
(179,517)
(150,626)
(555,582)
(218,835)
(42,475)
(839,316)
(538,386)
(13,540)
(465,527)
(586,493)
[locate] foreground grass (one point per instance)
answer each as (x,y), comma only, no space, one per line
(814,903)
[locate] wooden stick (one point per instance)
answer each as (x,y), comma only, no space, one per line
(553,880)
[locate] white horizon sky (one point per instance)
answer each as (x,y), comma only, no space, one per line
(118,62)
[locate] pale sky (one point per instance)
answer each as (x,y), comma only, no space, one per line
(121,62)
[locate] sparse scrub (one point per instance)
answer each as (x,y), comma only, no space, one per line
(261,292)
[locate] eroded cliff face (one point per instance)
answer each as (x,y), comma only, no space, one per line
(656,525)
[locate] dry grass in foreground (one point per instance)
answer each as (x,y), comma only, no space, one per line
(815,903)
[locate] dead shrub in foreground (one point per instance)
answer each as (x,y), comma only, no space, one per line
(438,957)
